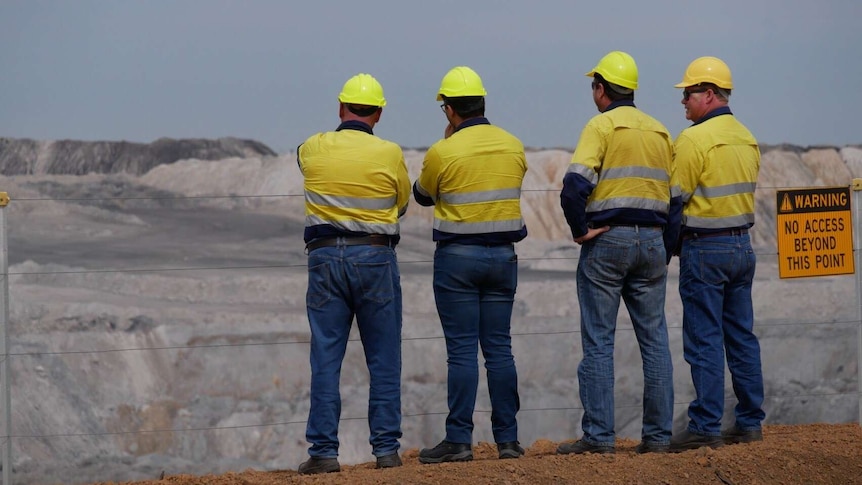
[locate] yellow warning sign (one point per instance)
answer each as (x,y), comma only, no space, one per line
(815,233)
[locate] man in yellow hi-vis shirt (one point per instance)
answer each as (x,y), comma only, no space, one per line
(717,161)
(617,201)
(356,188)
(473,179)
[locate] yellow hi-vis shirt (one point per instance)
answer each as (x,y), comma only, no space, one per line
(474,178)
(354,182)
(717,162)
(628,156)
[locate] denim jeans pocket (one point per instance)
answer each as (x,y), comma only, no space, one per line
(607,257)
(716,266)
(375,280)
(319,286)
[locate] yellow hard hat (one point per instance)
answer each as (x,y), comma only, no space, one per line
(460,81)
(707,70)
(618,68)
(362,89)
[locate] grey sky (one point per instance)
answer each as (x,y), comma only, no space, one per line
(271,70)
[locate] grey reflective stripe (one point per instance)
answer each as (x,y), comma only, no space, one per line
(717,222)
(484,196)
(725,190)
(629,203)
(366,203)
(686,196)
(424,192)
(585,172)
(478,227)
(354,226)
(675,191)
(640,172)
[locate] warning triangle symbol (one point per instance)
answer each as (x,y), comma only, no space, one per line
(786,206)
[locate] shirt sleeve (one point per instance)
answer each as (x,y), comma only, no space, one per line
(403,187)
(426,186)
(688,165)
(582,177)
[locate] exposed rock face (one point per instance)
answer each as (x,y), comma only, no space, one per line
(71,157)
(157,321)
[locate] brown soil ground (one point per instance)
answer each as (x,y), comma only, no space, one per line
(801,454)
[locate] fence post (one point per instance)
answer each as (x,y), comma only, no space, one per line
(4,344)
(857,255)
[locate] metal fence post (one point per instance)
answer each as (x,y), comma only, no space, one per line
(857,255)
(4,344)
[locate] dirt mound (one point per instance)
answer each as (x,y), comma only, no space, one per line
(820,453)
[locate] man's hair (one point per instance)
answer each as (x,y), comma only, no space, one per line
(721,93)
(467,106)
(362,109)
(613,91)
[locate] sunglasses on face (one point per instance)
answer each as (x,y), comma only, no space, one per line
(443,107)
(688,92)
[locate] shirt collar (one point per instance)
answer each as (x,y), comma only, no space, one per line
(479,120)
(724,110)
(621,102)
(355,125)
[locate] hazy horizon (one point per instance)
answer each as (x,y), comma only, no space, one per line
(270,70)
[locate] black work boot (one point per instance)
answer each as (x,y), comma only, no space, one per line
(687,440)
(736,435)
(446,451)
(389,461)
(581,446)
(511,449)
(316,465)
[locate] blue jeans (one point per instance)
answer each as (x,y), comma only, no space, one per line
(627,262)
(343,282)
(474,288)
(715,279)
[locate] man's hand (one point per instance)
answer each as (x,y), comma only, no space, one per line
(591,233)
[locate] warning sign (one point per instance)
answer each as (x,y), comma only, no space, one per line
(815,235)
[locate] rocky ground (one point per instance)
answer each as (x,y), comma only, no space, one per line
(809,454)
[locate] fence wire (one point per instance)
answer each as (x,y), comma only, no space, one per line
(204,347)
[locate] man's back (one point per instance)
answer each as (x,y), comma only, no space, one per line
(719,152)
(354,181)
(476,174)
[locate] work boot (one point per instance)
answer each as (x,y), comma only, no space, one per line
(511,449)
(736,435)
(651,447)
(446,451)
(391,460)
(581,446)
(316,465)
(686,440)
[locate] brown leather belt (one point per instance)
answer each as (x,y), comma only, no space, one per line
(726,232)
(371,240)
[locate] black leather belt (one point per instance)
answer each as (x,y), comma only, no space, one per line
(726,232)
(371,240)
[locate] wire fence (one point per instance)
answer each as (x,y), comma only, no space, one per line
(761,324)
